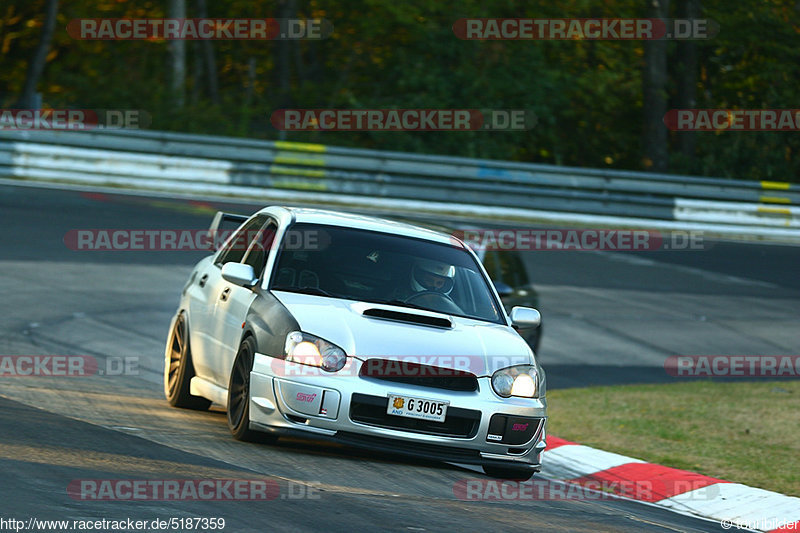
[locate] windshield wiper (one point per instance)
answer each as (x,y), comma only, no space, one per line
(305,290)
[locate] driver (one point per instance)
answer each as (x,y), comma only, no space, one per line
(432,276)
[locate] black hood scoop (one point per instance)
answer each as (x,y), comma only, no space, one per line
(408,317)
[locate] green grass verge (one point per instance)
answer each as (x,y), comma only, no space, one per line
(744,432)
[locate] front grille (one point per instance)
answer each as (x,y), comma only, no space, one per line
(371,410)
(413,373)
(418,449)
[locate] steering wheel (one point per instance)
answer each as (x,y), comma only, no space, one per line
(449,305)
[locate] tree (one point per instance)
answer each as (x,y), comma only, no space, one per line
(654,81)
(28,98)
(686,76)
(177,54)
(592,98)
(209,59)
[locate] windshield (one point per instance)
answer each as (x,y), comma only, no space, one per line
(378,267)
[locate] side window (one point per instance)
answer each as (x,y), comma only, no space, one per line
(238,246)
(259,248)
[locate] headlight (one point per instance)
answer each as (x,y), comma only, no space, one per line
(307,349)
(522,381)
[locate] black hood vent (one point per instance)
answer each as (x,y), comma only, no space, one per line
(410,318)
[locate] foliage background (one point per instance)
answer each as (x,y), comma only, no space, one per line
(587,94)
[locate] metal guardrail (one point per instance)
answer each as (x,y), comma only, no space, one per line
(153,158)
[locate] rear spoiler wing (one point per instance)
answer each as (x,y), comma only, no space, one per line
(217,236)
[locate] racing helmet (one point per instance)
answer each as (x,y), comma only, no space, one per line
(432,275)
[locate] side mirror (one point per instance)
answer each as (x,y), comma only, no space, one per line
(525,317)
(239,274)
(503,290)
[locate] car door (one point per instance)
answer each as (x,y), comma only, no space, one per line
(233,302)
(200,306)
(203,293)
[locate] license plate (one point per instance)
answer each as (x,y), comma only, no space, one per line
(420,408)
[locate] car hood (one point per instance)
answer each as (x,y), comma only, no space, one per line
(474,345)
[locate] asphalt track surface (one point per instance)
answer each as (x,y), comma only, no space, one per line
(611,317)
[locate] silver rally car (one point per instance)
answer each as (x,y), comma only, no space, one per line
(369,332)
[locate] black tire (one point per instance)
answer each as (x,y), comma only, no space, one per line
(180,371)
(509,472)
(239,395)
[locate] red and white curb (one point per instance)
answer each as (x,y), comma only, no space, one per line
(734,505)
